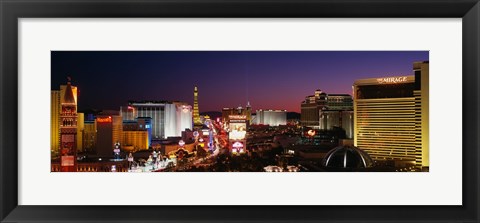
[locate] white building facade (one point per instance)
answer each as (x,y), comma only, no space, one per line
(169,119)
(271,117)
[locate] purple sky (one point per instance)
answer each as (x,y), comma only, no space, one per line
(268,79)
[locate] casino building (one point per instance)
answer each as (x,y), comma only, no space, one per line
(391,117)
(321,103)
(109,131)
(237,131)
(168,119)
(137,134)
(55,120)
(57,98)
(247,111)
(68,128)
(328,112)
(329,119)
(271,117)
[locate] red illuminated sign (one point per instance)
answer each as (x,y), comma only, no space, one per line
(105,119)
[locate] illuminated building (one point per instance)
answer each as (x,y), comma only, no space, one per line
(134,140)
(80,130)
(103,166)
(145,123)
(55,121)
(310,108)
(339,102)
(196,115)
(63,89)
(89,135)
(183,117)
(247,112)
(237,131)
(329,119)
(68,130)
(313,105)
(57,97)
(168,118)
(391,117)
(137,134)
(109,131)
(271,117)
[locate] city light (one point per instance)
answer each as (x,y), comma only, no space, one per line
(209,118)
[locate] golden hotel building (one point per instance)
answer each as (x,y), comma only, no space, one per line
(391,117)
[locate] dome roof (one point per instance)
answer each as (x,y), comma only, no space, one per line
(347,157)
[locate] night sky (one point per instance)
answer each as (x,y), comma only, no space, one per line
(268,79)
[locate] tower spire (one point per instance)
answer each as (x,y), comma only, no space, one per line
(196,116)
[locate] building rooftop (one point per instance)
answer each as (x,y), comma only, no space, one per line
(386,80)
(69,98)
(339,95)
(347,157)
(150,102)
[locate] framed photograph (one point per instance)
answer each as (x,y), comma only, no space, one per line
(207,111)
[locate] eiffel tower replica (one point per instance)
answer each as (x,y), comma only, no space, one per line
(197,123)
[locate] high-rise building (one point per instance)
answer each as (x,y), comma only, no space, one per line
(271,117)
(80,130)
(55,108)
(392,117)
(237,131)
(168,119)
(330,119)
(109,132)
(90,136)
(68,130)
(247,112)
(135,140)
(422,113)
(314,105)
(310,107)
(183,117)
(137,135)
(196,115)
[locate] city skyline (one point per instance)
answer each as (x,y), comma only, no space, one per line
(267,79)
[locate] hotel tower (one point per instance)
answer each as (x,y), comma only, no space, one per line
(391,117)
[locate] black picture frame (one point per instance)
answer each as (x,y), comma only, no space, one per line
(12,10)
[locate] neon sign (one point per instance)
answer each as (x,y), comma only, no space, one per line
(237,145)
(391,80)
(237,117)
(105,120)
(237,134)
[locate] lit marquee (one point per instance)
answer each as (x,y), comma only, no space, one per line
(237,117)
(104,120)
(392,80)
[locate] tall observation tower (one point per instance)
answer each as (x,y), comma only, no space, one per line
(196,115)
